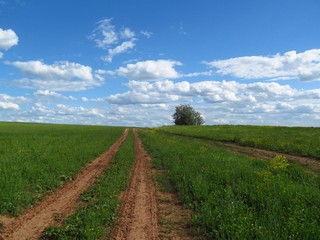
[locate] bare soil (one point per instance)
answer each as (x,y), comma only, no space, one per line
(138,212)
(60,204)
(311,163)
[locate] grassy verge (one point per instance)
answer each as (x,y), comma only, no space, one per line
(295,140)
(234,197)
(37,158)
(96,213)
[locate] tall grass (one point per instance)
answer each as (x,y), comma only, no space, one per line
(37,158)
(295,140)
(96,213)
(234,197)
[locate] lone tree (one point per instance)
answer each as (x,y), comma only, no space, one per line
(186,115)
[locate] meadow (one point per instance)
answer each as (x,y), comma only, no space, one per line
(37,158)
(293,140)
(233,196)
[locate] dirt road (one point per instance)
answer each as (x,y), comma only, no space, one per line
(138,212)
(61,203)
(310,162)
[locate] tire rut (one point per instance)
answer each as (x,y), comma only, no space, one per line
(312,163)
(60,204)
(138,212)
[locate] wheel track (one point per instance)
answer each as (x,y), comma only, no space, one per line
(60,204)
(312,163)
(138,212)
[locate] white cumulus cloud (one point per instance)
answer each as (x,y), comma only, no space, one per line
(208,91)
(47,94)
(139,98)
(8,105)
(8,39)
(8,102)
(61,113)
(60,76)
(8,98)
(304,66)
(150,70)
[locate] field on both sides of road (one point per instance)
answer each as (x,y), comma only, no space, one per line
(228,195)
(37,158)
(237,197)
(293,140)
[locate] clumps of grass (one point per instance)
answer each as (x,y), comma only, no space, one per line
(96,213)
(235,197)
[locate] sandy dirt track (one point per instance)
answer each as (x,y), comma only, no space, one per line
(58,205)
(310,162)
(138,212)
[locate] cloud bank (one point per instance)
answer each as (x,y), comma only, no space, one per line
(222,102)
(208,91)
(60,76)
(304,66)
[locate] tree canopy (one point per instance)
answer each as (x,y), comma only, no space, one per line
(186,115)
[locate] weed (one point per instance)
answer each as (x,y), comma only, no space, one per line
(279,164)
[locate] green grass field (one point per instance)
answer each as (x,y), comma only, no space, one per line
(37,158)
(295,140)
(236,197)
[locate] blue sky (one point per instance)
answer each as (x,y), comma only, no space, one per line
(131,62)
